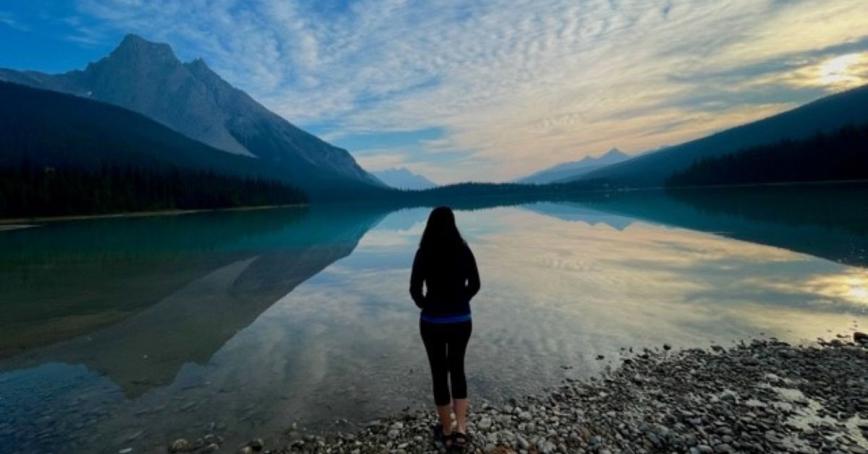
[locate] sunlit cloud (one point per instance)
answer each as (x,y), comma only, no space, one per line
(515,85)
(846,71)
(382,159)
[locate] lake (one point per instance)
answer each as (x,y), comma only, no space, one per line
(131,332)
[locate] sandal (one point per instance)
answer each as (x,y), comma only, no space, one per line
(459,441)
(441,439)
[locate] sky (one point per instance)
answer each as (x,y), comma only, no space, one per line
(480,90)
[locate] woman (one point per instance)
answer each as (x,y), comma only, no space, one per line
(446,266)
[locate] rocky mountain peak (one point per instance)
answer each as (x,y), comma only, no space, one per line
(135,47)
(192,99)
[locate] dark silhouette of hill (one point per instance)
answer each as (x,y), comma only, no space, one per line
(27,191)
(824,115)
(148,78)
(62,154)
(842,155)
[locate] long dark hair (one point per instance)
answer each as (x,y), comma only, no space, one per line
(441,234)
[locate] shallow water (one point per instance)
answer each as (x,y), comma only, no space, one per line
(130,332)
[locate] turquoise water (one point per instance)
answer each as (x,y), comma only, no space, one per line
(124,333)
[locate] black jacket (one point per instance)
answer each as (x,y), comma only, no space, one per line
(451,280)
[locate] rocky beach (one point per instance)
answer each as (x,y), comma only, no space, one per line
(758,396)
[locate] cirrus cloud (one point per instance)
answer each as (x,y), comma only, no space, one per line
(514,85)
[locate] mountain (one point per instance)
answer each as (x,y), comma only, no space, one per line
(840,156)
(574,169)
(402,178)
(47,128)
(849,108)
(147,78)
(79,139)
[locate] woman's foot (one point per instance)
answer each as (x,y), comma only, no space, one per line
(442,438)
(459,441)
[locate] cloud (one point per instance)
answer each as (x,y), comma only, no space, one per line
(382,159)
(514,84)
(9,20)
(84,34)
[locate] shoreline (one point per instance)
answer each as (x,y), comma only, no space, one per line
(553,194)
(28,222)
(758,396)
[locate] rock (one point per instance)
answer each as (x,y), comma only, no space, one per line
(125,451)
(521,442)
(484,423)
(246,450)
(256,444)
(180,445)
(211,447)
(547,447)
(728,394)
(720,400)
(723,447)
(860,338)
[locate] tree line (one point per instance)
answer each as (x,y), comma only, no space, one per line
(836,156)
(28,190)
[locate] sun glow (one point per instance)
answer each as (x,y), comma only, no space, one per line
(851,287)
(841,71)
(859,292)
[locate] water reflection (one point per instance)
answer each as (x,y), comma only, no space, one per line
(233,275)
(255,320)
(829,222)
(64,279)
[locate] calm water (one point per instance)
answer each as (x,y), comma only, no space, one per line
(131,332)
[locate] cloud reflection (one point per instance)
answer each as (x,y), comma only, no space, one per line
(556,290)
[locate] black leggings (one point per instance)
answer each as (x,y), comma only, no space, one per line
(446,344)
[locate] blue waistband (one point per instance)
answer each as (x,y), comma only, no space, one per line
(446,318)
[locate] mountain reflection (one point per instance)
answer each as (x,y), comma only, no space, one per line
(260,260)
(258,319)
(829,222)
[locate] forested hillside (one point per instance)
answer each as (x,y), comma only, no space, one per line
(842,155)
(61,154)
(28,191)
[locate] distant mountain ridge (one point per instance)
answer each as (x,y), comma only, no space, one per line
(190,98)
(828,114)
(575,169)
(403,178)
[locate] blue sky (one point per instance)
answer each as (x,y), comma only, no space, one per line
(469,90)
